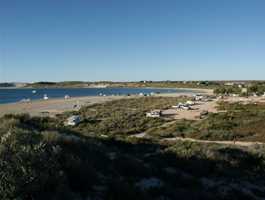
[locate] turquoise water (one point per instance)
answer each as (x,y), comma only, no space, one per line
(16,95)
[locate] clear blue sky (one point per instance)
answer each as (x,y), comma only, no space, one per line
(131,40)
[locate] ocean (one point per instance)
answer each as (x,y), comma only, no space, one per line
(16,95)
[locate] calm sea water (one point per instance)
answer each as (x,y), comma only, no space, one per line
(16,95)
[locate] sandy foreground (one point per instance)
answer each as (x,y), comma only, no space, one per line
(52,107)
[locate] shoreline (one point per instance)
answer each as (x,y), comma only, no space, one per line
(186,91)
(52,107)
(182,91)
(165,88)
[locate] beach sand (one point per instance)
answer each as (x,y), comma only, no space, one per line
(52,107)
(191,90)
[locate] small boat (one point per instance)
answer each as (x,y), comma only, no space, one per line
(67,97)
(34,91)
(25,100)
(45,97)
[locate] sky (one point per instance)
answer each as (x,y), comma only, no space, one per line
(122,40)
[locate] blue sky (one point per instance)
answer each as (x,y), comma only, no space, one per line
(131,40)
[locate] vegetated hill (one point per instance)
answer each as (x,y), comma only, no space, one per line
(252,87)
(65,84)
(154,84)
(7,85)
(39,159)
(168,84)
(220,87)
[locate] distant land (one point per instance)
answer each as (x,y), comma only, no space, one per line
(104,84)
(12,84)
(221,87)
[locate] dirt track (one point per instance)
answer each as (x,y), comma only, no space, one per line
(236,143)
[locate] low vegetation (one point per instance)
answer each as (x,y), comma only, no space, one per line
(235,121)
(7,85)
(228,90)
(169,84)
(64,84)
(158,84)
(40,158)
(122,117)
(255,87)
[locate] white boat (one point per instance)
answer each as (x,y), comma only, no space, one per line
(25,100)
(67,97)
(45,97)
(34,91)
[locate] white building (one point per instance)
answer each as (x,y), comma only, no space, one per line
(67,97)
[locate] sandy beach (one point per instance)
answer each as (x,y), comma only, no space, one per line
(194,90)
(52,107)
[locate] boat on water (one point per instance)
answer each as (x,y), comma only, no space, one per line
(45,97)
(25,100)
(34,91)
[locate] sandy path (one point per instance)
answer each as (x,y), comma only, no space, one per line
(193,114)
(197,109)
(236,143)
